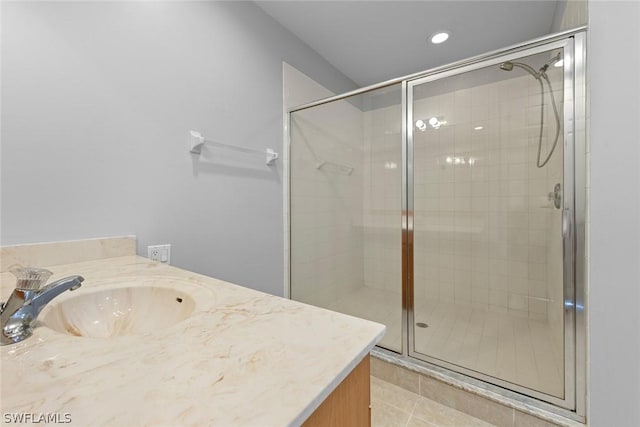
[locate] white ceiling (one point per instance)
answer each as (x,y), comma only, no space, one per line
(373,41)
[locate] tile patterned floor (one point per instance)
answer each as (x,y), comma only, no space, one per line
(512,348)
(392,406)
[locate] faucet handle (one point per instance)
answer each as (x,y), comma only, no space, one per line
(30,278)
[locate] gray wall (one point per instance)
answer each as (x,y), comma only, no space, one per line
(614,61)
(97,102)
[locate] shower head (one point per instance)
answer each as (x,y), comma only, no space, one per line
(507,66)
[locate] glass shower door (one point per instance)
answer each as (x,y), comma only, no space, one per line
(345,208)
(488,180)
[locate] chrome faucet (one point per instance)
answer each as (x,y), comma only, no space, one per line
(20,312)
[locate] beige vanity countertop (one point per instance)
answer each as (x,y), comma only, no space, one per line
(244,358)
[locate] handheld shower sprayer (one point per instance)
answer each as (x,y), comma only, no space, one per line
(540,75)
(507,66)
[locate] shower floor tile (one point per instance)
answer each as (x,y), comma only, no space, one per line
(512,348)
(508,347)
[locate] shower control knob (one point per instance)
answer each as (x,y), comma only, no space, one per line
(556,196)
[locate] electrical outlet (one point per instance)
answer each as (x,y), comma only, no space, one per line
(159,253)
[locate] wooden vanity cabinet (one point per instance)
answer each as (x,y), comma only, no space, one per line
(349,405)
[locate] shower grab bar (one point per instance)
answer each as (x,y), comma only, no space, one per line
(196,141)
(342,168)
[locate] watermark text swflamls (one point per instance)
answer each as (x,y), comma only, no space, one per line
(36,418)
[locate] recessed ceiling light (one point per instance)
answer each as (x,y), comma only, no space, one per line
(478,128)
(439,37)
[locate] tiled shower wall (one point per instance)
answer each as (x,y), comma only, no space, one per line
(486,234)
(382,221)
(326,203)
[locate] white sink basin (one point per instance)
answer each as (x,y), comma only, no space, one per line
(119,312)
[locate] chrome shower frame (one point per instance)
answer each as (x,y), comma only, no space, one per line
(572,44)
(567,46)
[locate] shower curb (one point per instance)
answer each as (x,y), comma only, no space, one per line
(435,384)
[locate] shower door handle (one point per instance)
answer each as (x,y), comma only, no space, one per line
(566,223)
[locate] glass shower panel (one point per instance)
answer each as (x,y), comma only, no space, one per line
(345,208)
(488,255)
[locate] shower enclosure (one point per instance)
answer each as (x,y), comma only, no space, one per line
(448,205)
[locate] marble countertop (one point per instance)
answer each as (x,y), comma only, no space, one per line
(243,358)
